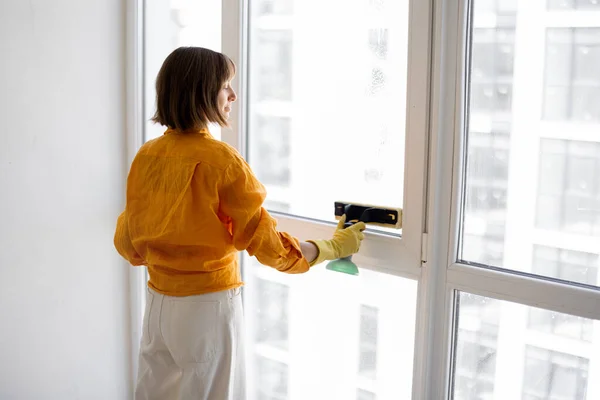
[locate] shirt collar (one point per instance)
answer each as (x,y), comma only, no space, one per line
(203,132)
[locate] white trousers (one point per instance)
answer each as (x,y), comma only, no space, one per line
(192,348)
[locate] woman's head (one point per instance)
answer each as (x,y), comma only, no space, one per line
(193,89)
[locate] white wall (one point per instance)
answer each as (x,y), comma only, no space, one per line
(63,289)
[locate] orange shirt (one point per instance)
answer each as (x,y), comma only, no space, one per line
(192,204)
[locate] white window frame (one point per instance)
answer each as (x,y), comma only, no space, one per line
(428,249)
(134,137)
(410,251)
(446,275)
(378,248)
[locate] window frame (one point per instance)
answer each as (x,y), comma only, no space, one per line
(134,137)
(407,251)
(449,134)
(410,251)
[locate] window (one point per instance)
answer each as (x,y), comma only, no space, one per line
(271,150)
(572,84)
(486,196)
(277,205)
(492,69)
(498,8)
(274,65)
(571,266)
(364,395)
(492,340)
(477,345)
(337,335)
(560,324)
(324,87)
(272,313)
(272,380)
(568,197)
(574,5)
(568,265)
(309,71)
(168,24)
(377,5)
(529,207)
(275,7)
(552,375)
(368,342)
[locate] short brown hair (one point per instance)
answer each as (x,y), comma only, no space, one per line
(187,87)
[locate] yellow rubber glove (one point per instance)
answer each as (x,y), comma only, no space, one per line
(344,243)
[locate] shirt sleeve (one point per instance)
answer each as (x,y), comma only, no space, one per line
(252,227)
(122,241)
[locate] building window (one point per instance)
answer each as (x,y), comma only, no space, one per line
(368,342)
(279,206)
(492,70)
(488,171)
(377,5)
(272,141)
(489,157)
(274,65)
(475,378)
(573,4)
(365,395)
(483,248)
(550,375)
(275,7)
(560,324)
(501,8)
(572,81)
(475,366)
(486,196)
(490,100)
(273,380)
(272,314)
(568,265)
(568,198)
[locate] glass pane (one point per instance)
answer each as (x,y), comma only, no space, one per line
(326,335)
(169,24)
(523,190)
(510,351)
(327,103)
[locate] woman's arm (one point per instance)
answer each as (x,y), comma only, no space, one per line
(255,230)
(309,250)
(123,244)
